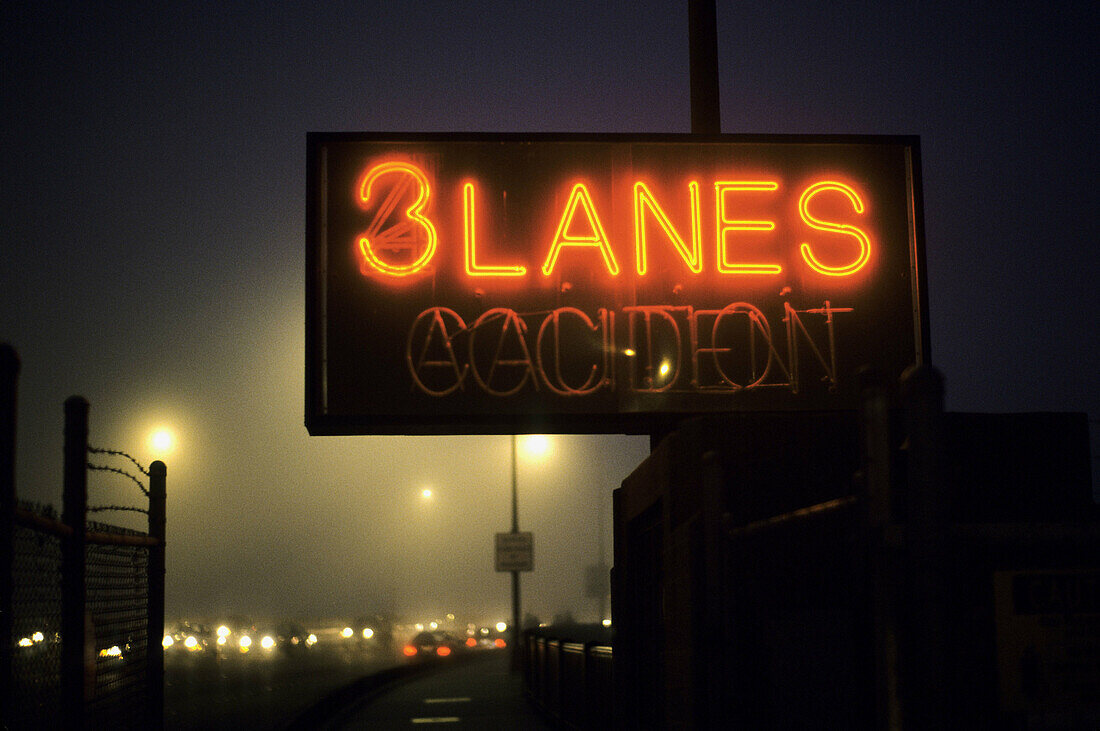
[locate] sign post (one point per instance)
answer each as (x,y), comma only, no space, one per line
(515,553)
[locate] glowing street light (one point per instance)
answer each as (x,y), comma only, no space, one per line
(162,441)
(536,446)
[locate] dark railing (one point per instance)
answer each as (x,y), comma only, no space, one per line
(568,675)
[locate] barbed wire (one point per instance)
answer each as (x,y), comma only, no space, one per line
(102,508)
(117,453)
(124,473)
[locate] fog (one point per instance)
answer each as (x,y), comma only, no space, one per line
(153,252)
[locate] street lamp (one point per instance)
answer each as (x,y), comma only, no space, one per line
(162,441)
(515,574)
(537,446)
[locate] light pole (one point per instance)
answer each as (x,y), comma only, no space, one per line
(515,574)
(535,446)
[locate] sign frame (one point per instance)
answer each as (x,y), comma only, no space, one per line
(321,421)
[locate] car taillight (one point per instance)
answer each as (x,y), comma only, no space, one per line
(471,642)
(443,651)
(499,642)
(409,650)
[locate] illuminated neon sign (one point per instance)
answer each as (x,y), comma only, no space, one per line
(472,284)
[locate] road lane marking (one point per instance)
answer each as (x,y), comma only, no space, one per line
(446,700)
(436,719)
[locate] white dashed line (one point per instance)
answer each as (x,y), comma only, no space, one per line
(446,700)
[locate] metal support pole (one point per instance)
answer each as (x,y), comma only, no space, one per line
(515,574)
(926,669)
(73,591)
(706,116)
(878,514)
(9,378)
(158,497)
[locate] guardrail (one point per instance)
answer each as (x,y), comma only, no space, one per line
(569,678)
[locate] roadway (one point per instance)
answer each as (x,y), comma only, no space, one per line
(479,693)
(206,691)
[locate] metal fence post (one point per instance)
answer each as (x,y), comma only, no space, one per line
(9,376)
(155,651)
(73,588)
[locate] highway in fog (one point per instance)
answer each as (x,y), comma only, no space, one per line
(477,692)
(212,691)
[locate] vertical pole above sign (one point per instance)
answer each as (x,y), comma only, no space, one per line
(706,115)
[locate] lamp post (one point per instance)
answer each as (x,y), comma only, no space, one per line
(515,574)
(536,446)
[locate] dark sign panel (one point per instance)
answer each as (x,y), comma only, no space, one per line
(505,283)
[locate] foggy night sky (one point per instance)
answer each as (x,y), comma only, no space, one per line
(153,249)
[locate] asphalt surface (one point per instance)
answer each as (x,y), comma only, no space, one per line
(207,692)
(480,693)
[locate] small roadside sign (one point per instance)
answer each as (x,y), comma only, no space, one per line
(1048,632)
(515,552)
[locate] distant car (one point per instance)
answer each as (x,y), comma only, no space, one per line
(487,638)
(292,638)
(373,633)
(237,636)
(184,638)
(431,645)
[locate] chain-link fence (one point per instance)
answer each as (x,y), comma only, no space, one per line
(35,608)
(117,603)
(83,601)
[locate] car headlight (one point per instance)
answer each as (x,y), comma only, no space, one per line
(267,642)
(367,633)
(168,641)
